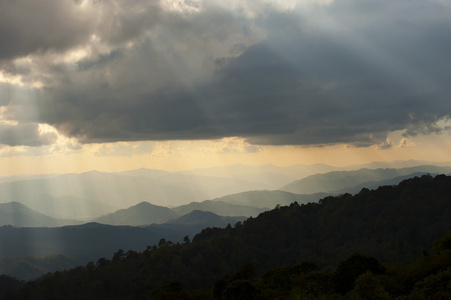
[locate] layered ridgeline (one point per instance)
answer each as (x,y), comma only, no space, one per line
(92,194)
(17,214)
(353,181)
(27,253)
(392,223)
(89,195)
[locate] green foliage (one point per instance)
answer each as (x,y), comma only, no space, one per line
(230,286)
(436,286)
(27,267)
(348,270)
(443,243)
(368,287)
(240,289)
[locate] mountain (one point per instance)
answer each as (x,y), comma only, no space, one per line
(27,268)
(25,177)
(83,242)
(80,196)
(193,222)
(205,219)
(269,199)
(338,181)
(17,214)
(88,195)
(271,175)
(219,207)
(115,190)
(396,164)
(211,185)
(68,207)
(393,224)
(143,213)
(375,184)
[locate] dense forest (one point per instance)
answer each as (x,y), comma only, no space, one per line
(376,244)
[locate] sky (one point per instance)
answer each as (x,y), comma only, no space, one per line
(179,84)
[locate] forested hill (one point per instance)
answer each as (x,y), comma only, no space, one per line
(391,223)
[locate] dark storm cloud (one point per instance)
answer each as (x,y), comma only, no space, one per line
(320,88)
(30,26)
(349,72)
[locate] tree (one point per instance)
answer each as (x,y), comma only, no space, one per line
(162,242)
(119,254)
(368,287)
(101,262)
(348,270)
(186,239)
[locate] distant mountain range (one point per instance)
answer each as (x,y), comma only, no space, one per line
(83,242)
(351,181)
(17,214)
(93,194)
(270,175)
(144,224)
(205,219)
(219,207)
(85,202)
(78,244)
(265,199)
(392,224)
(143,213)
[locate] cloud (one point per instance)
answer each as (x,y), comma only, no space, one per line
(123,149)
(302,73)
(406,143)
(27,134)
(387,144)
(39,26)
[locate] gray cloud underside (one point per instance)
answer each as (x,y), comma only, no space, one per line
(25,134)
(349,74)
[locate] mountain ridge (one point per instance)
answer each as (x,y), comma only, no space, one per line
(19,215)
(393,224)
(143,213)
(339,181)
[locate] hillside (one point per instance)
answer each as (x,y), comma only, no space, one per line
(392,223)
(348,181)
(205,218)
(269,199)
(22,249)
(220,208)
(28,267)
(83,242)
(193,222)
(17,214)
(143,213)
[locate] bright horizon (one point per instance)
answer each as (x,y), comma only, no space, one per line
(199,156)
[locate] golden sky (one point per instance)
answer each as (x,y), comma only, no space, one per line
(177,84)
(184,155)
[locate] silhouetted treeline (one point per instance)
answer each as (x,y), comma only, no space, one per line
(266,256)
